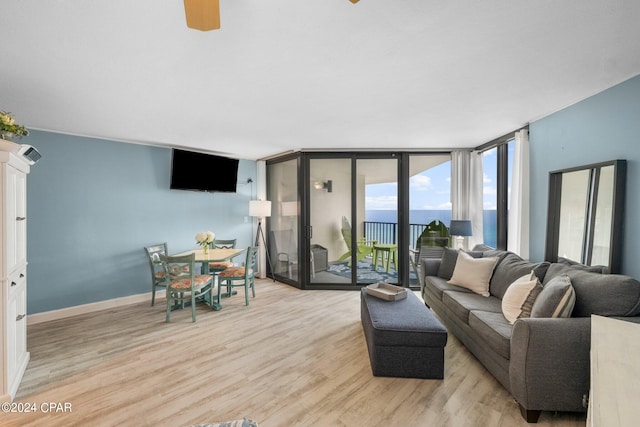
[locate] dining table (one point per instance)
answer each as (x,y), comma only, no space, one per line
(213,255)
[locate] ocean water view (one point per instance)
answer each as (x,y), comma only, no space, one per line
(425,216)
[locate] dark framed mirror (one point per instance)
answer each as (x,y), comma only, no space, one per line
(584,220)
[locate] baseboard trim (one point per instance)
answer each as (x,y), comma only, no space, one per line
(47,316)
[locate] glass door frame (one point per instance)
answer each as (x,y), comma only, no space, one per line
(304,224)
(299,281)
(402,208)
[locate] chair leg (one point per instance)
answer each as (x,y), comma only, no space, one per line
(153,294)
(211,303)
(168,306)
(193,306)
(253,287)
(219,291)
(246,292)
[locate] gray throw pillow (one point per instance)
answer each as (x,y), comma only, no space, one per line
(511,268)
(448,262)
(557,299)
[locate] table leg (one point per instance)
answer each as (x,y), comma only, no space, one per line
(395,260)
(388,261)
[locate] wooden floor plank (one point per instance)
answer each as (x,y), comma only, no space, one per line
(290,358)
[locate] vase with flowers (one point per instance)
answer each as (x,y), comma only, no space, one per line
(9,129)
(204,239)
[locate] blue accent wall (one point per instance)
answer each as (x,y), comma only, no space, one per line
(603,127)
(92,206)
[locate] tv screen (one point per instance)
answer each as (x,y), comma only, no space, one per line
(203,172)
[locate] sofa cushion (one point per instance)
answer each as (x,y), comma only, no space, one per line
(494,329)
(520,296)
(437,285)
(482,247)
(557,269)
(461,303)
(510,268)
(557,299)
(473,273)
(495,253)
(449,259)
(577,266)
(604,294)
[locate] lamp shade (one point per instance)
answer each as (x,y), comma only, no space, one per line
(460,227)
(259,208)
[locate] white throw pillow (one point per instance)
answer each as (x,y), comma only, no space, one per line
(520,296)
(473,273)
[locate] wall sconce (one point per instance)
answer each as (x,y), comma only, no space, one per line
(327,185)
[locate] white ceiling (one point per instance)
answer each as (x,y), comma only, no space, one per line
(309,74)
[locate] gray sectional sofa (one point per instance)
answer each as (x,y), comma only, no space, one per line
(542,361)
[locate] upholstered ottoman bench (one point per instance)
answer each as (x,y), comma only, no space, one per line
(403,337)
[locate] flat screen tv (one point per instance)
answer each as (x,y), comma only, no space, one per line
(203,172)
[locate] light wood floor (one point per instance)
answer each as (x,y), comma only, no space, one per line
(291,358)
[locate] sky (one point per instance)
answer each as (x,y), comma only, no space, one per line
(431,189)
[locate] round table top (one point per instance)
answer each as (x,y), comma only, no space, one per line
(388,246)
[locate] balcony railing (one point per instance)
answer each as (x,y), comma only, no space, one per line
(387,232)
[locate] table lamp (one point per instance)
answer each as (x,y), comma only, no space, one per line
(460,228)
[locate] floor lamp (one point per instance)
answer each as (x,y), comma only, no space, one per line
(261,209)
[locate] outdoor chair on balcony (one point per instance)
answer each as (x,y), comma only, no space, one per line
(430,244)
(283,243)
(364,248)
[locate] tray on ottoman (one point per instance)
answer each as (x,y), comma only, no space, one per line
(387,292)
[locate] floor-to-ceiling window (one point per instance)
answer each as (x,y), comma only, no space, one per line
(490,197)
(429,198)
(283,225)
(497,166)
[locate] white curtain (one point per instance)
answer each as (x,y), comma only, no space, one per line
(466,192)
(518,235)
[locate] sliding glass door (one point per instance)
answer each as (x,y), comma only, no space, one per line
(329,236)
(376,217)
(353,216)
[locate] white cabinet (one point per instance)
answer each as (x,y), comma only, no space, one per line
(13,273)
(615,373)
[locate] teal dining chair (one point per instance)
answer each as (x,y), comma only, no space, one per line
(184,284)
(216,267)
(157,271)
(241,276)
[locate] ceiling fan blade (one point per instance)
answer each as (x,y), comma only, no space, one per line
(203,15)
